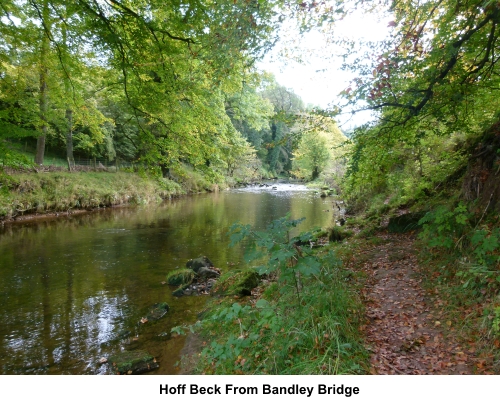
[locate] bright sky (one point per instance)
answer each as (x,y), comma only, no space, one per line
(319,79)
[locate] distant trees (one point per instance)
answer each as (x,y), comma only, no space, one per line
(145,80)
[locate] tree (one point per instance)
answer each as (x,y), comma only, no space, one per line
(176,64)
(318,146)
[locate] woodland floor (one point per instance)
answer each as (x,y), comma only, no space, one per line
(405,332)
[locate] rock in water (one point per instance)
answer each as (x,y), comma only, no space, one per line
(204,273)
(156,312)
(196,264)
(181,277)
(133,362)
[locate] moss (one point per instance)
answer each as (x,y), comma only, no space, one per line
(180,277)
(179,292)
(237,282)
(133,362)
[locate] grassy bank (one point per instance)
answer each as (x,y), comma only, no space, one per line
(304,318)
(41,193)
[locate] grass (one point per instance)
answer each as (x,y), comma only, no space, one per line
(29,193)
(180,277)
(275,334)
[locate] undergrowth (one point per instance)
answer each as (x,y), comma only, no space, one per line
(460,253)
(305,320)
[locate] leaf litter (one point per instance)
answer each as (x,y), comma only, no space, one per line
(404,331)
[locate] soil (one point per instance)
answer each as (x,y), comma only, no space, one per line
(404,332)
(43,216)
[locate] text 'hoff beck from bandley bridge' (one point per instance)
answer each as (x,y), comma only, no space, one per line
(230,389)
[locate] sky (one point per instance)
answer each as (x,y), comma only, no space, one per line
(320,79)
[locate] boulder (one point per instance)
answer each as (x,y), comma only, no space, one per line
(204,273)
(180,291)
(133,362)
(237,282)
(180,277)
(195,264)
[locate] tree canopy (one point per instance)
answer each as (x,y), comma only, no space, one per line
(149,80)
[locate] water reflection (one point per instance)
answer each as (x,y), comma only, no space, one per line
(74,289)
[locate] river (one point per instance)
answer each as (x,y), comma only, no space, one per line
(74,289)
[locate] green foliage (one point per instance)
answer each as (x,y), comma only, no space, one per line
(288,257)
(312,154)
(479,245)
(274,337)
(496,321)
(315,333)
(443,227)
(160,82)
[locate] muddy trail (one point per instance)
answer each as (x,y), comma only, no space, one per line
(404,332)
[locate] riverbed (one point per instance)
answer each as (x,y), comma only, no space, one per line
(74,289)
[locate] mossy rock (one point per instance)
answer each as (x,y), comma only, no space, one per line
(322,233)
(405,223)
(180,291)
(337,234)
(196,264)
(237,282)
(157,311)
(133,362)
(180,277)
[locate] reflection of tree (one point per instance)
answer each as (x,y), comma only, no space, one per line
(47,343)
(70,285)
(68,314)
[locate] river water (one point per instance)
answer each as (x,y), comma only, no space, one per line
(73,290)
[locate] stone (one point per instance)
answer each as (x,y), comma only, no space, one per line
(204,273)
(157,311)
(180,277)
(195,264)
(179,292)
(133,362)
(237,282)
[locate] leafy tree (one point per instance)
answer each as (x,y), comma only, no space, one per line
(175,65)
(318,146)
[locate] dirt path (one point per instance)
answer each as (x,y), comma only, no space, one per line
(403,332)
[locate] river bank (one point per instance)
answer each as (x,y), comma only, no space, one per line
(28,196)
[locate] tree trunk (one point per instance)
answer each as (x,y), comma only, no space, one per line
(43,101)
(69,110)
(315,173)
(69,136)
